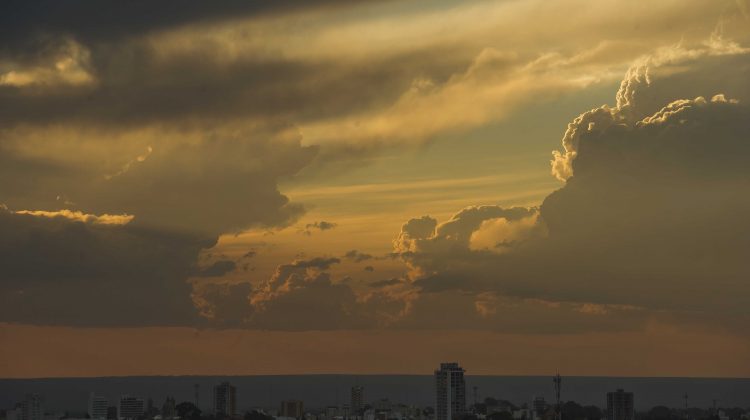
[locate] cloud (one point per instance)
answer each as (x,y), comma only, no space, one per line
(639,98)
(68,64)
(217,269)
(414,230)
(103,219)
(301,296)
(78,271)
(118,22)
(162,134)
(501,234)
(208,183)
(649,226)
(357,256)
(222,304)
(320,263)
(385,283)
(322,226)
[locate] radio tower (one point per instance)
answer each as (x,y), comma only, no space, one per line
(557,380)
(197,399)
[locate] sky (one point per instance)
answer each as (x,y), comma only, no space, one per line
(524,186)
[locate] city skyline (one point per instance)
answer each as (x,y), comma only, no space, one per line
(449,399)
(374,187)
(317,393)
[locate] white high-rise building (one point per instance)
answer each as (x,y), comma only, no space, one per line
(97,406)
(451,391)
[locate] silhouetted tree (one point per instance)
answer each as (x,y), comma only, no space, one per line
(502,415)
(188,411)
(660,412)
(572,411)
(256,415)
(592,412)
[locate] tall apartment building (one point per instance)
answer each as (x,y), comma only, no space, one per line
(31,408)
(97,406)
(538,407)
(292,408)
(169,409)
(451,391)
(225,400)
(357,402)
(620,405)
(130,407)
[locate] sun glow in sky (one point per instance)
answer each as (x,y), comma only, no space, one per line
(458,180)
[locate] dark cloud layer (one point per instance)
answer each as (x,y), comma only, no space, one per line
(105,21)
(64,272)
(651,222)
(216,185)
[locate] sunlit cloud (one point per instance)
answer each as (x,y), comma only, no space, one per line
(77,216)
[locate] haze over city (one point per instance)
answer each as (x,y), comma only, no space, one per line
(522,187)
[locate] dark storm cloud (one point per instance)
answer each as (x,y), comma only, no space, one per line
(57,271)
(105,21)
(133,84)
(214,185)
(181,196)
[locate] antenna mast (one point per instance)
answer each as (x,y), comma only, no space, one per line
(557,380)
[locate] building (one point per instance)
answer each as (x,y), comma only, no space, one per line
(13,413)
(292,408)
(169,409)
(130,407)
(225,400)
(620,405)
(97,406)
(357,403)
(451,392)
(30,408)
(538,407)
(331,412)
